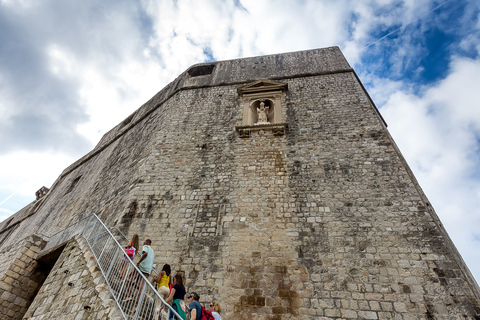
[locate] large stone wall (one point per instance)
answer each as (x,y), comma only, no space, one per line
(324,221)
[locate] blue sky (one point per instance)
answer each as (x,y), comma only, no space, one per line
(71,70)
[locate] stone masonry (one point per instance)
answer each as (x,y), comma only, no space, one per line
(312,214)
(21,280)
(75,289)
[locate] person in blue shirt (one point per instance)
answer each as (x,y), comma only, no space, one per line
(195,306)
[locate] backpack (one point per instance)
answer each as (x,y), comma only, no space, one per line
(207,315)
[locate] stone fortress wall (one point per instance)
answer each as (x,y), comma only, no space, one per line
(314,215)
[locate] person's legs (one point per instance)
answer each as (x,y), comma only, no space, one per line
(123,267)
(130,282)
(164,292)
(174,307)
(140,284)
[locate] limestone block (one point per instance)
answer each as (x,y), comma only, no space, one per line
(5,295)
(348,314)
(368,314)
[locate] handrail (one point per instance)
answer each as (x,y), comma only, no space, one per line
(131,290)
(136,253)
(70,231)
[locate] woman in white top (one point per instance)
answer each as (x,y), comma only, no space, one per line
(215,308)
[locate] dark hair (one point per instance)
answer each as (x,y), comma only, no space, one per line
(179,279)
(148,241)
(195,296)
(166,268)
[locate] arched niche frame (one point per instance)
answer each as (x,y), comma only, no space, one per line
(263,107)
(261,111)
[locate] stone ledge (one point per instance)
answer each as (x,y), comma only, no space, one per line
(278,129)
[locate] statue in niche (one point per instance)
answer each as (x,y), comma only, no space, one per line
(262,112)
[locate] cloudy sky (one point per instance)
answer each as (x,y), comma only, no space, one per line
(71,70)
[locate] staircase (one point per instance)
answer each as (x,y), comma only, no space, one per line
(136,298)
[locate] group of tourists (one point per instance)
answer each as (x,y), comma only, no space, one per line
(197,312)
(171,289)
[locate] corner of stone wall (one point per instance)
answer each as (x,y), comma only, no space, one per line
(74,289)
(21,278)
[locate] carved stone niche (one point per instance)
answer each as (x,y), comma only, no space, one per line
(262,107)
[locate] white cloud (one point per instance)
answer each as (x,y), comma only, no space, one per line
(6,102)
(438,134)
(18,4)
(119,95)
(37,169)
(25,173)
(458,95)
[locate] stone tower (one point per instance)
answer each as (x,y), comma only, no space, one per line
(271,183)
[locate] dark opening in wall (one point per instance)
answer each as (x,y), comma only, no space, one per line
(42,266)
(201,70)
(74,183)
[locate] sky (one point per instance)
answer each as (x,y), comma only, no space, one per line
(72,70)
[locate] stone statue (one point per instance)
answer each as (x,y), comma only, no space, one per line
(262,113)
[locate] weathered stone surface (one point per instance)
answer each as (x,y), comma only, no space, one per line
(323,220)
(69,292)
(19,283)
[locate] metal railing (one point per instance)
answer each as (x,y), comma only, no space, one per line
(133,293)
(66,234)
(137,253)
